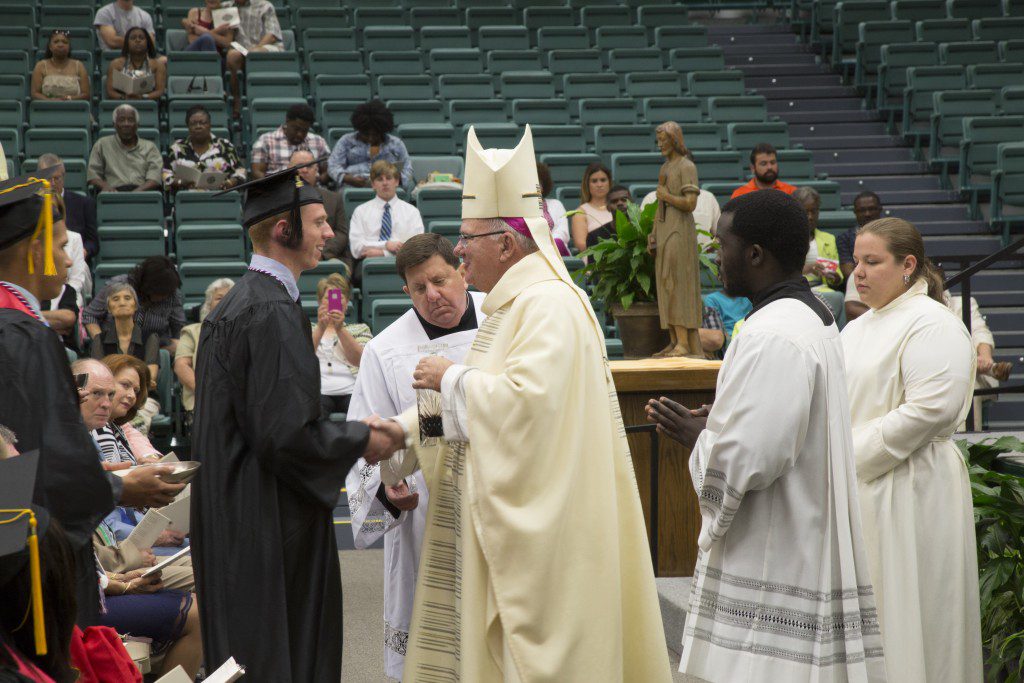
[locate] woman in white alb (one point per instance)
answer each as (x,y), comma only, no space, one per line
(910,373)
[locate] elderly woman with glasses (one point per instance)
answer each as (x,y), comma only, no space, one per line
(204,152)
(120,334)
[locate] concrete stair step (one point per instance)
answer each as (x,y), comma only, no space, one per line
(809,92)
(830,129)
(891,183)
(998,280)
(859,142)
(823,109)
(922,213)
(810,117)
(763,30)
(743,48)
(780,61)
(759,69)
(762,83)
(957,245)
(941,228)
(837,171)
(754,42)
(1008,319)
(889,196)
(1007,338)
(855,155)
(1007,413)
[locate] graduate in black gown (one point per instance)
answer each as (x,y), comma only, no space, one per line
(263,544)
(38,397)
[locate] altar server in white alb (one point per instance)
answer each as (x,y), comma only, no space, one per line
(535,565)
(781,592)
(443,320)
(910,364)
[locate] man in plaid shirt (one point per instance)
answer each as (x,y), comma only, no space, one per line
(712,333)
(273,151)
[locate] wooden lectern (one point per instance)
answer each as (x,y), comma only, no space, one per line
(691,383)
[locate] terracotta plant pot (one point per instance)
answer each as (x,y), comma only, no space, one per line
(640,330)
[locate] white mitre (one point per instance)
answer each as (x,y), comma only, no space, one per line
(501,182)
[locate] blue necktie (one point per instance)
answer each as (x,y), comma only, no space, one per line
(385,224)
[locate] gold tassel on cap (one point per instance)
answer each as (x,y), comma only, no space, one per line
(44,225)
(36,578)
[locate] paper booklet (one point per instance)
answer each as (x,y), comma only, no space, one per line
(177,513)
(170,561)
(241,48)
(146,532)
(228,671)
(203,180)
(133,85)
(170,457)
(227,15)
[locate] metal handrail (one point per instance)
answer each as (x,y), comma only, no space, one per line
(655,457)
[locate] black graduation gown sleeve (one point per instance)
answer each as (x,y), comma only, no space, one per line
(39,402)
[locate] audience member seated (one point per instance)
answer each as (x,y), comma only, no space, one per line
(597,181)
(258,31)
(617,201)
(62,312)
(821,267)
(372,141)
(79,209)
(764,166)
(380,226)
(113,21)
(336,247)
(204,152)
(555,209)
(138,60)
(155,280)
(120,334)
(124,162)
(731,310)
(867,207)
(273,151)
(57,76)
(712,333)
(202,35)
(338,346)
(188,346)
(705,214)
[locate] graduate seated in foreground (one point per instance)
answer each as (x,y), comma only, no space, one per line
(338,346)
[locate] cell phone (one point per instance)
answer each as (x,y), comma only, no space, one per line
(334,297)
(81,380)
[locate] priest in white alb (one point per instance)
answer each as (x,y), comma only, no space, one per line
(782,589)
(443,320)
(535,563)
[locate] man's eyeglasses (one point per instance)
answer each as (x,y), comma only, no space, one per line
(464,239)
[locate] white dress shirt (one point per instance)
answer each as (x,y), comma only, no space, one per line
(79,276)
(705,214)
(364,228)
(276,270)
(561,222)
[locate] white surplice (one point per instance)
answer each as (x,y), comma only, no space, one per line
(910,369)
(384,388)
(781,591)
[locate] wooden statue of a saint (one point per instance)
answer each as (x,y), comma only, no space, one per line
(673,241)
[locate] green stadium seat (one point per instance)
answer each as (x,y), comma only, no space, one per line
(435,16)
(10,140)
(337,63)
(417,111)
(567,169)
(465,87)
(502,38)
(197,275)
(432,37)
(448,229)
(388,38)
(541,111)
(578,86)
(14,86)
(546,17)
(661,84)
(563,38)
(594,17)
(614,37)
(477,17)
(569,195)
(151,134)
(658,110)
(364,17)
(132,208)
(892,72)
(527,84)
(918,104)
(973,52)
(461,112)
(455,61)
(354,196)
(831,198)
(494,135)
(635,167)
(19,38)
(683,60)
(149,112)
(978,153)
(131,242)
(672,37)
(625,60)
(949,110)
(439,203)
(269,112)
(918,10)
(219,111)
(193,64)
(195,87)
(74,172)
(655,16)
(264,62)
(1011,50)
(12,114)
(206,241)
(406,63)
(612,111)
(998,28)
(613,347)
(1014,8)
(64,142)
(872,36)
(499,61)
(702,136)
(61,114)
(974,9)
(204,207)
(821,22)
(743,136)
(383,312)
(745,109)
(405,87)
(66,16)
(574,61)
(708,84)
(380,281)
(175,40)
(994,76)
(943,30)
(1012,100)
(105,270)
(1008,188)
(424,165)
(428,138)
(330,87)
(797,163)
(328,39)
(717,167)
(558,139)
(309,279)
(15,14)
(14,62)
(259,85)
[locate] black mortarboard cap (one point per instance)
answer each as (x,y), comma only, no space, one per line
(278,193)
(22,203)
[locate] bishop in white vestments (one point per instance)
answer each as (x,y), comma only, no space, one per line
(443,320)
(535,563)
(781,591)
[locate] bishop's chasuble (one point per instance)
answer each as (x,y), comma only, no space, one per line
(535,565)
(781,591)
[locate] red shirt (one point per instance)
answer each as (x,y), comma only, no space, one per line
(752,187)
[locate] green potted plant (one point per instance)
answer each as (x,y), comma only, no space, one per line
(620,273)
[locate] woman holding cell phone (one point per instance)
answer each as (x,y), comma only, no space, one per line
(338,346)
